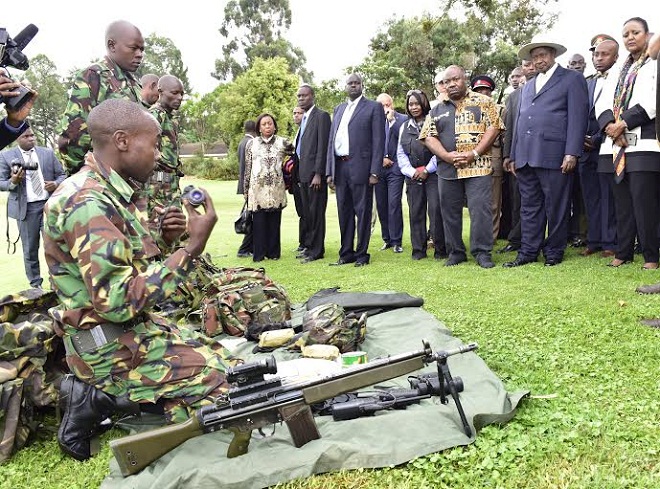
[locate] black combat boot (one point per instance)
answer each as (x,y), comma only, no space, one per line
(84,407)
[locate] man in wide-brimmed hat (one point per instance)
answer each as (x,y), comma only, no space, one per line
(548,139)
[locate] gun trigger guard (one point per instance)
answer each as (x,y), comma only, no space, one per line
(266,435)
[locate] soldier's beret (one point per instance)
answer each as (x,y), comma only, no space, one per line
(482,81)
(598,38)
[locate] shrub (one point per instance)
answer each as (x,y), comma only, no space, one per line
(211,168)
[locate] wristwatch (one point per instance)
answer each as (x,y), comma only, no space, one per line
(425,171)
(374,175)
(476,155)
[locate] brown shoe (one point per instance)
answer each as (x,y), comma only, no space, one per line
(588,252)
(649,289)
(651,323)
(607,253)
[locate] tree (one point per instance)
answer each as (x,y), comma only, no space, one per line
(49,106)
(483,36)
(258,27)
(200,118)
(162,57)
(267,86)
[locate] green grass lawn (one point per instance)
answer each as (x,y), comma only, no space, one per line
(570,334)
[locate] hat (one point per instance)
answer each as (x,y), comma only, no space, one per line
(526,50)
(598,38)
(482,81)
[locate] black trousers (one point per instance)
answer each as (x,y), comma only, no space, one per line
(314,205)
(266,234)
(423,197)
(636,205)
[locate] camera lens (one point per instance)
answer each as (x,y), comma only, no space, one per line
(194,195)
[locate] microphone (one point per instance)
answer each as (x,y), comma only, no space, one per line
(24,37)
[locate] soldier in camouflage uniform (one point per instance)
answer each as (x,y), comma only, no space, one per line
(111,77)
(108,272)
(163,187)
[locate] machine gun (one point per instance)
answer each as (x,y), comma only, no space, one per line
(256,402)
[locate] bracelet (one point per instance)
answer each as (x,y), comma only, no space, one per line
(476,155)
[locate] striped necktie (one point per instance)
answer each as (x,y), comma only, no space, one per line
(35,181)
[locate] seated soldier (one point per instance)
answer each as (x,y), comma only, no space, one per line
(108,273)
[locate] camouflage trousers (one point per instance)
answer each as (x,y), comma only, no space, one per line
(155,361)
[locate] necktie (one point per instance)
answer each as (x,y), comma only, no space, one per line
(35,181)
(300,134)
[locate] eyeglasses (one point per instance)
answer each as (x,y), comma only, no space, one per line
(410,92)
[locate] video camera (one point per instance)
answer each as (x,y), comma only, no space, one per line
(11,54)
(17,164)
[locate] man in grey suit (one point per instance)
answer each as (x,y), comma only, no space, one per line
(355,157)
(28,191)
(311,152)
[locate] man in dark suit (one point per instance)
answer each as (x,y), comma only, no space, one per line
(596,191)
(355,156)
(511,110)
(311,152)
(548,139)
(389,188)
(28,191)
(245,250)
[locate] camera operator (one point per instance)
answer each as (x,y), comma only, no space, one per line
(15,122)
(30,173)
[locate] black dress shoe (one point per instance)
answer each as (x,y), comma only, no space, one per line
(308,259)
(455,260)
(299,249)
(551,262)
(578,242)
(385,246)
(485,261)
(84,407)
(302,253)
(246,254)
(361,263)
(518,262)
(508,248)
(340,262)
(398,249)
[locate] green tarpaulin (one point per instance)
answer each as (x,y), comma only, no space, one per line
(389,438)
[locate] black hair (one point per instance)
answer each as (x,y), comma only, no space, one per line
(421,98)
(258,122)
(250,126)
(640,20)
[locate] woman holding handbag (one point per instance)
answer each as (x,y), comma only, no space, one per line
(265,192)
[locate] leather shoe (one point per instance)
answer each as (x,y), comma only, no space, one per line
(616,263)
(84,407)
(651,323)
(551,262)
(340,262)
(588,252)
(385,246)
(607,253)
(508,248)
(455,260)
(649,289)
(308,259)
(578,242)
(518,262)
(398,249)
(247,254)
(361,263)
(485,261)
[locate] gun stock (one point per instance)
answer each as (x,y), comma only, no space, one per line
(135,452)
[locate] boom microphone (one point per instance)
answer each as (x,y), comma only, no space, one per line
(24,37)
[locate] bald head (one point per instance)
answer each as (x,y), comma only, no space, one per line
(149,93)
(114,115)
(124,45)
(168,82)
(170,92)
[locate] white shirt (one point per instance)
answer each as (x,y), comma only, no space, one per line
(29,175)
(341,138)
(542,78)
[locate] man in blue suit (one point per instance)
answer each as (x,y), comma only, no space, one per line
(28,192)
(548,139)
(390,181)
(355,157)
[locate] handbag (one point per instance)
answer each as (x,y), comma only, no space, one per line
(243,223)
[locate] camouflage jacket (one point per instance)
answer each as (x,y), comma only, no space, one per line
(169,139)
(101,81)
(103,263)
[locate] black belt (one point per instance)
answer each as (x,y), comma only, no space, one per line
(87,340)
(343,158)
